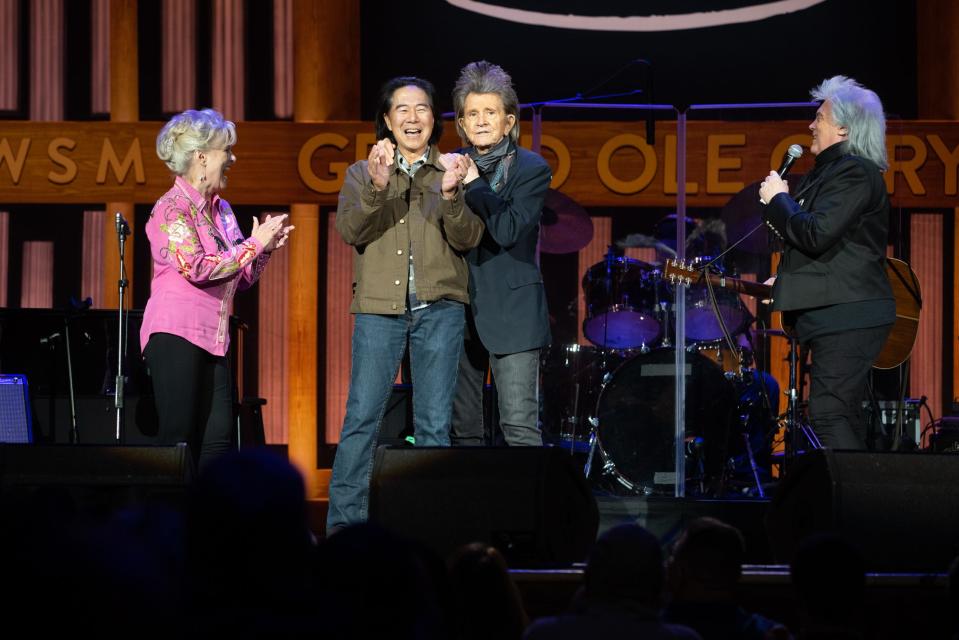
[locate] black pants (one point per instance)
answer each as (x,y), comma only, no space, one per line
(467,428)
(840,369)
(193,396)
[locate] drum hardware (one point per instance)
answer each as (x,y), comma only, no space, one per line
(634,437)
(752,463)
(733,363)
(696,453)
(663,304)
(745,434)
(796,428)
(723,444)
(573,376)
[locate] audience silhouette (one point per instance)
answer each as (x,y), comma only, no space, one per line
(486,602)
(622,593)
(235,556)
(829,577)
(703,575)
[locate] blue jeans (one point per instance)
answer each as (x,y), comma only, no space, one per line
(435,337)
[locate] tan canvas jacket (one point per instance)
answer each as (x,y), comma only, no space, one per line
(382,226)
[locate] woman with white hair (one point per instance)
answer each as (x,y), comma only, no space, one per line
(200,259)
(831,284)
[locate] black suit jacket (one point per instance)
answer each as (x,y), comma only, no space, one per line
(835,230)
(507,296)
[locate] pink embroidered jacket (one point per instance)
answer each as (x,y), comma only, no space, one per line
(200,259)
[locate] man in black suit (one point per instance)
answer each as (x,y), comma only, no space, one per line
(831,284)
(505,186)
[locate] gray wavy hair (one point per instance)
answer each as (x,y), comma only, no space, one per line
(485,77)
(192,131)
(859,110)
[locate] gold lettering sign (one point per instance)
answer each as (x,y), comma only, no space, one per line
(14,163)
(54,150)
(304,162)
(606,164)
(614,144)
(109,158)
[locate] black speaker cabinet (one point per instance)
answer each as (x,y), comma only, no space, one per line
(533,504)
(900,509)
(97,476)
(397,423)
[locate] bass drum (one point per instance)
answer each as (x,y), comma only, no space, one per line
(635,422)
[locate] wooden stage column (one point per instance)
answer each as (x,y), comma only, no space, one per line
(326,86)
(124,107)
(937,82)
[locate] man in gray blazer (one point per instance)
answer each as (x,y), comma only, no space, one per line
(505,186)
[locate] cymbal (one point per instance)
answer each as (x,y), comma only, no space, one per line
(704,236)
(566,227)
(742,214)
(666,228)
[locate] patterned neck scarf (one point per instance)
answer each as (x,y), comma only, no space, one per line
(490,164)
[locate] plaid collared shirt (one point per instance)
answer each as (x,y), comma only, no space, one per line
(410,169)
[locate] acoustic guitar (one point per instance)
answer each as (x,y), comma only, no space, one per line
(902,279)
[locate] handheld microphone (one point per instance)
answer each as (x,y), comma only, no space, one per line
(793,153)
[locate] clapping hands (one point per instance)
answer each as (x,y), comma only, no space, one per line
(272,233)
(457,168)
(381,158)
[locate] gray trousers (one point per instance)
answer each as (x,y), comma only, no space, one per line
(516,382)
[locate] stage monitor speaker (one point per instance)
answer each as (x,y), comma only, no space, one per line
(531,503)
(900,509)
(396,428)
(98,476)
(15,421)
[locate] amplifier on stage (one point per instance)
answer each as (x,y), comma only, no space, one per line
(944,438)
(15,421)
(911,418)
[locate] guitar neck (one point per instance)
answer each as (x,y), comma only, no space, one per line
(756,289)
(686,275)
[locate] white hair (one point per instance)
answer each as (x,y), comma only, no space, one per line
(192,131)
(859,110)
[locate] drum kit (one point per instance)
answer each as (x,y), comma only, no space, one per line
(613,401)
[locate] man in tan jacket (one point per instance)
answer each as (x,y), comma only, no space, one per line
(402,211)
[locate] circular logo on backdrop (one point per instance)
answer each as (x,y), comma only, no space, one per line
(667,22)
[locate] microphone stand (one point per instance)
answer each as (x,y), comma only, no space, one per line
(796,428)
(123,230)
(74,435)
(76,310)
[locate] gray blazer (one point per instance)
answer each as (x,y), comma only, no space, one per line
(507,296)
